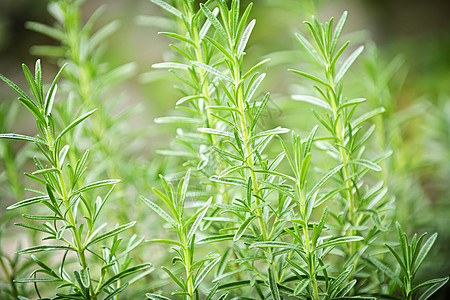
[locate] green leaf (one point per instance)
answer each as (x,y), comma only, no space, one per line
(432,289)
(252,89)
(213,71)
(429,282)
(44,266)
(324,180)
(312,77)
(117,291)
(367,164)
(243,20)
(33,227)
(310,49)
(174,278)
(52,92)
(337,32)
(304,169)
(14,136)
(275,131)
(42,218)
(44,248)
(300,287)
(34,109)
(33,85)
(44,171)
(85,278)
(124,273)
(236,284)
(424,252)
(36,280)
(110,233)
(310,140)
(312,100)
(74,123)
(104,32)
(28,201)
(351,102)
(199,219)
(155,296)
(340,240)
(215,22)
(201,276)
(221,48)
(215,238)
(260,110)
(189,98)
(52,32)
(275,244)
(223,108)
(243,227)
(286,190)
(229,180)
(170,65)
(216,132)
(160,211)
(96,185)
(273,285)
(340,74)
(244,38)
(255,67)
(367,116)
(50,51)
(385,269)
(179,37)
(17,89)
(165,241)
(169,8)
(205,28)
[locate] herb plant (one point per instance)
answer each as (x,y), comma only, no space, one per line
(64,197)
(247,208)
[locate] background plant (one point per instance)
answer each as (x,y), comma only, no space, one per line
(64,200)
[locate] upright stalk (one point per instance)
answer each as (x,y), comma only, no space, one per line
(66,200)
(309,253)
(343,154)
(247,137)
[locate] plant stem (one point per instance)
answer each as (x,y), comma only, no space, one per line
(66,200)
(309,252)
(244,126)
(187,262)
(344,156)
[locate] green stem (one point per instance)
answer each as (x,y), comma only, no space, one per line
(345,158)
(187,263)
(247,137)
(66,200)
(309,252)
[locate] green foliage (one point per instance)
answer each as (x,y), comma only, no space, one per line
(411,258)
(245,208)
(64,198)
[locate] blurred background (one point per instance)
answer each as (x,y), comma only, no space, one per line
(405,67)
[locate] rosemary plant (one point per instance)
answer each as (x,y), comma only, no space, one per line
(363,207)
(410,259)
(249,173)
(90,82)
(249,209)
(186,228)
(64,205)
